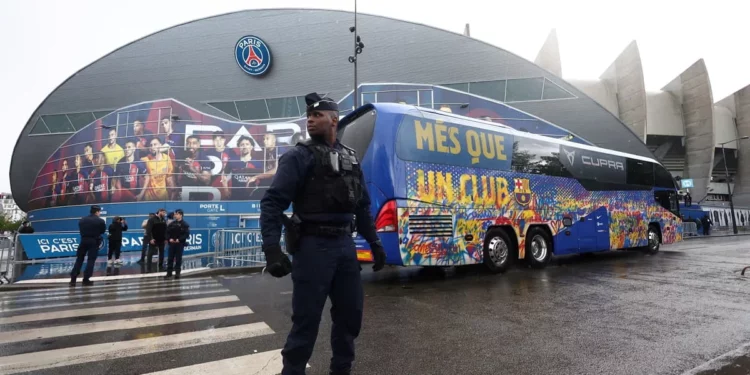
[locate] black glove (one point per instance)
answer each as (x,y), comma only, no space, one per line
(277,263)
(378,255)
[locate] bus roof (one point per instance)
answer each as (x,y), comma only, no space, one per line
(395,108)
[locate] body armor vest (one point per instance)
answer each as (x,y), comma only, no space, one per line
(334,184)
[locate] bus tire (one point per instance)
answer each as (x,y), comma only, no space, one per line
(654,239)
(498,250)
(538,248)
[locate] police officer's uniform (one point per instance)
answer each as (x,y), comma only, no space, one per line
(325,192)
(176,230)
(92,228)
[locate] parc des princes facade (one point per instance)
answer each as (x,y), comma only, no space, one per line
(196,116)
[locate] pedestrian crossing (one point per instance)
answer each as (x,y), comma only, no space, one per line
(187,326)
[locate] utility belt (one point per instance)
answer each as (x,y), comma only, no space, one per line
(326,230)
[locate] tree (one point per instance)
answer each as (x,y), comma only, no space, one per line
(10,225)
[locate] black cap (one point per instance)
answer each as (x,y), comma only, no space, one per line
(317,103)
(95,208)
(179,211)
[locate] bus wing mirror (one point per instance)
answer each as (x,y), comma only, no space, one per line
(568,222)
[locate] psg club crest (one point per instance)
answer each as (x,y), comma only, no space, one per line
(522,191)
(252,55)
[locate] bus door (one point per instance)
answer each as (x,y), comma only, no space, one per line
(593,231)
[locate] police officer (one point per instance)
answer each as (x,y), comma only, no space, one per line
(91,227)
(177,234)
(323,180)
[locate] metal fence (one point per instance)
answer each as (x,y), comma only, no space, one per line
(238,248)
(689,229)
(6,259)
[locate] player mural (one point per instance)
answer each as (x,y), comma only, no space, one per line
(163,151)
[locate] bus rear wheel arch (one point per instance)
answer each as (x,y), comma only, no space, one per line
(538,246)
(499,249)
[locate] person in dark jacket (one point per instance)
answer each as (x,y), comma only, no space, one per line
(156,234)
(177,234)
(92,228)
(323,181)
(115,239)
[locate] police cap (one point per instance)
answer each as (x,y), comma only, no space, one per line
(317,103)
(95,208)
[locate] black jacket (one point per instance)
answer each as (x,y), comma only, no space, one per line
(115,231)
(156,229)
(92,226)
(178,230)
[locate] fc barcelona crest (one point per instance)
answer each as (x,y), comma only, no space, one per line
(522,191)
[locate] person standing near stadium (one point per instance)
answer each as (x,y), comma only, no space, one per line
(91,229)
(177,233)
(323,181)
(156,235)
(115,239)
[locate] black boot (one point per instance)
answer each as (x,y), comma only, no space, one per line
(88,283)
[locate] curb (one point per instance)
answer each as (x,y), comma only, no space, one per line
(203,273)
(709,236)
(224,271)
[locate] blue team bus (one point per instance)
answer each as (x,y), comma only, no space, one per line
(449,190)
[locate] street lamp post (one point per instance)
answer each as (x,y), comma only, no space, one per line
(729,187)
(358,46)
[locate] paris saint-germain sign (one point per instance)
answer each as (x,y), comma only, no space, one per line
(252,55)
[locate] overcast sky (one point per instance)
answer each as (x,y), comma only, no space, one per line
(45,41)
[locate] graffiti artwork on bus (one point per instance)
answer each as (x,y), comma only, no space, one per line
(480,198)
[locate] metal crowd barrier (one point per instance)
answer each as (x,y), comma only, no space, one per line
(238,248)
(689,229)
(6,259)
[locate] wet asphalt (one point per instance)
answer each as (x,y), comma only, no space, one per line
(609,313)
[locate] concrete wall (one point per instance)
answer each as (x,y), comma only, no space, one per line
(742,180)
(549,56)
(600,92)
(664,114)
(626,76)
(693,88)
(724,127)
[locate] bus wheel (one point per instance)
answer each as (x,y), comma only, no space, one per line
(497,250)
(538,248)
(653,240)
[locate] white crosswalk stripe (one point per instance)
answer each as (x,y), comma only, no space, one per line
(103,288)
(139,323)
(102,300)
(265,363)
(108,293)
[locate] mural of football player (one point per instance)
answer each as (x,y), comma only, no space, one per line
(88,158)
(112,151)
(129,173)
(195,172)
(221,157)
(170,141)
(53,190)
(270,162)
(79,181)
(65,182)
(158,180)
(242,170)
(141,137)
(101,181)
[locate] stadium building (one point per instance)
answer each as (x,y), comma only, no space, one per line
(196,115)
